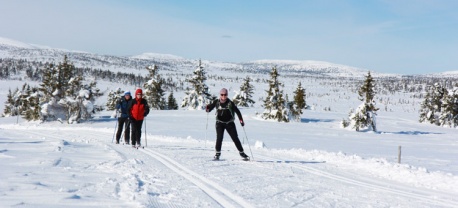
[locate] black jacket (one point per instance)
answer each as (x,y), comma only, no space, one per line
(225,111)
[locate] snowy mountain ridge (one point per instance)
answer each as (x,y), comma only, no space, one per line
(157,56)
(18,50)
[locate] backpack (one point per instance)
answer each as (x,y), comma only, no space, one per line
(229,107)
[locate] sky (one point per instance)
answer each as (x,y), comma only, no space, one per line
(388,36)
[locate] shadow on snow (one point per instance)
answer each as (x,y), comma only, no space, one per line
(289,161)
(408,132)
(311,120)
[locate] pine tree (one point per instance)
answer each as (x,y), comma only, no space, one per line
(244,97)
(299,98)
(365,114)
(171,102)
(274,105)
(9,109)
(64,96)
(32,111)
(47,87)
(432,104)
(24,102)
(449,109)
(113,98)
(292,109)
(197,97)
(154,92)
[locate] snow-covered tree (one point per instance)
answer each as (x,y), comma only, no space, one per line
(33,110)
(11,104)
(365,115)
(275,106)
(64,96)
(243,98)
(113,98)
(29,103)
(293,111)
(299,98)
(153,89)
(449,110)
(198,96)
(172,102)
(23,102)
(432,104)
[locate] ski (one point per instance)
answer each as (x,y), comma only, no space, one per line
(218,160)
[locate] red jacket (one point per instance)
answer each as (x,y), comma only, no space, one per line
(138,109)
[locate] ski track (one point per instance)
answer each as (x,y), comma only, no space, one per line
(221,195)
(226,198)
(414,194)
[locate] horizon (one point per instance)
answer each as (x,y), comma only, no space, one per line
(383,36)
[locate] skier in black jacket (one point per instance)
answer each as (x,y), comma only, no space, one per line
(225,110)
(123,119)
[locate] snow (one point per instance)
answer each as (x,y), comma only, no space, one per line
(158,56)
(14,43)
(311,163)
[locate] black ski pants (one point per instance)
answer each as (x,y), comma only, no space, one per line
(136,131)
(231,130)
(123,123)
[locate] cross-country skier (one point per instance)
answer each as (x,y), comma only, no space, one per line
(123,119)
(225,110)
(138,110)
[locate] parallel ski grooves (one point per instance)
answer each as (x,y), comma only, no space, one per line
(417,196)
(221,195)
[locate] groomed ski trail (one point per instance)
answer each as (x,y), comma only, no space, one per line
(417,194)
(221,195)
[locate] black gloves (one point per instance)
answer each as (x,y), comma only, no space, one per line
(242,123)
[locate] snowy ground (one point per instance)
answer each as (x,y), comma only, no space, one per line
(314,163)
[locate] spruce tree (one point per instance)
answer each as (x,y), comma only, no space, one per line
(274,104)
(197,97)
(9,109)
(449,109)
(64,96)
(244,97)
(154,92)
(299,98)
(47,87)
(365,114)
(171,102)
(32,111)
(113,98)
(294,113)
(432,104)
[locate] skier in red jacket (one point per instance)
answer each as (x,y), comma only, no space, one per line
(138,110)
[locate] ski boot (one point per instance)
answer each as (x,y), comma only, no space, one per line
(216,157)
(244,156)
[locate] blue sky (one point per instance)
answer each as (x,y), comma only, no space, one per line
(391,36)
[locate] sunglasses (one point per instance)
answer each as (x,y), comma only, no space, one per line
(223,94)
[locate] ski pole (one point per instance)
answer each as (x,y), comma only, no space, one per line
(116,126)
(146,139)
(206,130)
(248,143)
